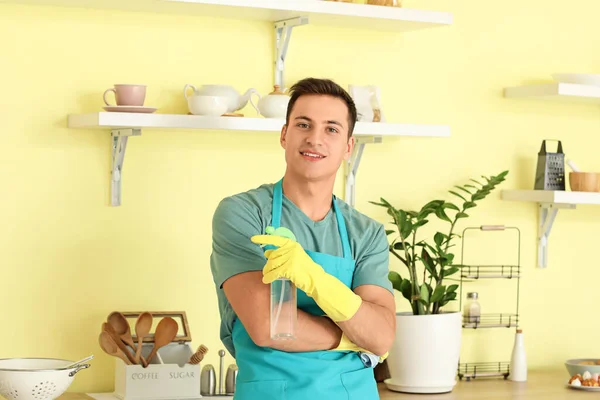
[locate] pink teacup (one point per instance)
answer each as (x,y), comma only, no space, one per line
(127,95)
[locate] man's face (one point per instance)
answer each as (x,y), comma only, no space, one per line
(316,138)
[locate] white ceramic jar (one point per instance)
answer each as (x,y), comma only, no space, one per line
(273,105)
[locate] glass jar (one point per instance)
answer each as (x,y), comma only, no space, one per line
(472,309)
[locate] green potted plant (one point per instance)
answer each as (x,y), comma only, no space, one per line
(426,349)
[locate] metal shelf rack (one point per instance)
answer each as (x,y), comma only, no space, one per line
(483,370)
(470,273)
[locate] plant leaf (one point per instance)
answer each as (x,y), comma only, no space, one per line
(441,214)
(413,214)
(406,226)
(458,195)
(420,223)
(451,288)
(439,238)
(438,293)
(469,204)
(429,264)
(447,298)
(450,206)
(425,294)
(406,289)
(463,189)
(399,246)
(389,231)
(396,280)
(462,215)
(450,271)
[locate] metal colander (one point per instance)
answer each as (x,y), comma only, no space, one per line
(36,378)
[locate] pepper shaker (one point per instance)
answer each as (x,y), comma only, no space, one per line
(208,381)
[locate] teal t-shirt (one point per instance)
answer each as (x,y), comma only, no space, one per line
(241,216)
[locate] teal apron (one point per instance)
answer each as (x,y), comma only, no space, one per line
(269,374)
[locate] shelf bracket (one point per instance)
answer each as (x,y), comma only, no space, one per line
(352,164)
(547,215)
(283,33)
(119,145)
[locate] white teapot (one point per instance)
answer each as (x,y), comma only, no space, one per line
(273,105)
(235,101)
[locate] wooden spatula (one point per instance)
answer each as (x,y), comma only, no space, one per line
(143,326)
(108,328)
(119,323)
(166,330)
(108,344)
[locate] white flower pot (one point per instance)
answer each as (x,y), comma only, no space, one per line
(424,356)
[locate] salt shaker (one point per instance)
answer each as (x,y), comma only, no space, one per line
(472,309)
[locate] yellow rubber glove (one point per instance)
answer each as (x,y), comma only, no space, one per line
(347,345)
(290,261)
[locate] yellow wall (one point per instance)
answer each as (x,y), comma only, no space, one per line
(68,258)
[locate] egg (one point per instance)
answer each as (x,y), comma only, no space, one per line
(587,375)
(576,382)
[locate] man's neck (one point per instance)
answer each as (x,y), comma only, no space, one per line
(312,197)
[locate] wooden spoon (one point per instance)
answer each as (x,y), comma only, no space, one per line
(166,330)
(109,346)
(106,327)
(142,329)
(121,327)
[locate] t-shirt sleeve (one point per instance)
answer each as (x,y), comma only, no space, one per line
(234,223)
(372,267)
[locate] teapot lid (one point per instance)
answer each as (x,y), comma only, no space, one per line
(276,90)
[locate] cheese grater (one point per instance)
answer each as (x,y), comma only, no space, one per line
(550,173)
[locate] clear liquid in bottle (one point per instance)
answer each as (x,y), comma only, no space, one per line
(283,309)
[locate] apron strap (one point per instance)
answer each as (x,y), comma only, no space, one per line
(277,204)
(276,217)
(342,229)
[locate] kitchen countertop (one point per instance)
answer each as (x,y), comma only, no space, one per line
(546,385)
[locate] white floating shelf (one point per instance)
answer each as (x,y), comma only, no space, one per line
(319,12)
(552,196)
(556,91)
(115,120)
(549,202)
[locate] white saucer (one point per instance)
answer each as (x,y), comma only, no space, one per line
(394,387)
(131,109)
(586,388)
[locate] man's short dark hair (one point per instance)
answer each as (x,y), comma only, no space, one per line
(325,87)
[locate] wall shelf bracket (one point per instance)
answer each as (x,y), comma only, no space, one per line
(283,33)
(119,145)
(353,163)
(547,215)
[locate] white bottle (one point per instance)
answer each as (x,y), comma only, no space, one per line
(518,361)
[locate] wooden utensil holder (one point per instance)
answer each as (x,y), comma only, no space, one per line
(168,375)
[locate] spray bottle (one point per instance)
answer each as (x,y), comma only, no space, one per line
(283,299)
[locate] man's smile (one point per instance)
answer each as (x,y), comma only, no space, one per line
(312,155)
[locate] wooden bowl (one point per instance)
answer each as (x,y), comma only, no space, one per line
(584,181)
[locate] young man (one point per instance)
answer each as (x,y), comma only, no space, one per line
(339,264)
